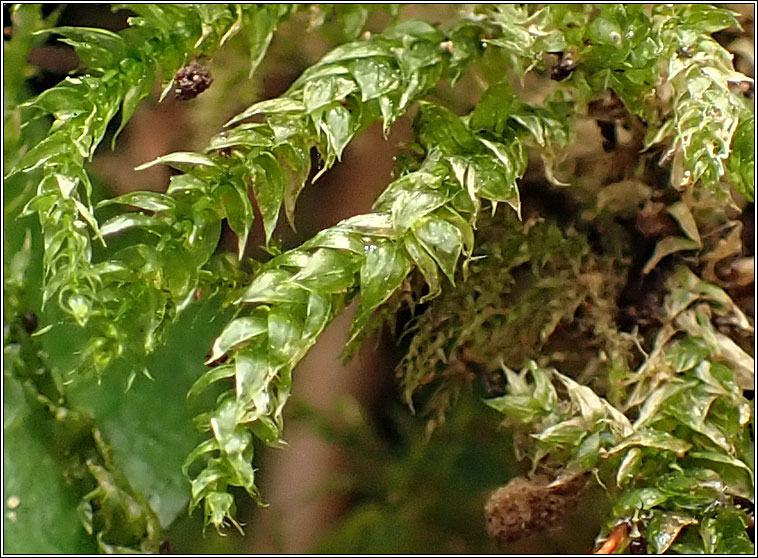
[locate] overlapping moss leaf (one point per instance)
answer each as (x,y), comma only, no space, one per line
(122,69)
(679,453)
(424,219)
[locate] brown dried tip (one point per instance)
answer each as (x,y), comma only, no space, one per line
(526,506)
(192,80)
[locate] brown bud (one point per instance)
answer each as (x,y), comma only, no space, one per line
(192,80)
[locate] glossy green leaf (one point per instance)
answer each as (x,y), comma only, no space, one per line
(382,272)
(39,507)
(268,186)
(297,165)
(329,271)
(648,438)
(139,89)
(339,240)
(665,528)
(180,158)
(441,129)
(426,265)
(131,220)
(285,334)
(151,201)
(336,124)
(317,316)
(443,241)
(277,105)
(238,331)
(238,210)
(375,77)
(320,93)
(216,374)
(252,374)
(274,285)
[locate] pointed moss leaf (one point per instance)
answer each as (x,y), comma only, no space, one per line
(328,270)
(319,93)
(419,181)
(226,417)
(65,100)
(443,241)
(544,393)
(709,19)
(140,88)
(238,210)
(440,128)
(664,528)
(717,457)
(352,17)
(269,106)
(520,408)
(494,109)
(355,50)
(274,285)
(252,374)
(152,201)
(297,165)
(629,465)
(268,186)
(463,225)
(179,159)
(131,220)
(741,160)
(569,432)
(426,265)
(295,259)
(246,135)
(285,335)
(184,183)
(591,406)
(200,450)
(317,315)
(260,25)
(335,124)
(53,146)
(238,331)
(201,485)
(97,48)
(649,438)
(339,240)
(666,247)
(411,205)
(369,224)
(375,77)
(382,272)
(683,216)
(210,377)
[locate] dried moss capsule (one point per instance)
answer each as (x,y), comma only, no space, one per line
(192,80)
(564,68)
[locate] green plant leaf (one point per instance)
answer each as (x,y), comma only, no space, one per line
(178,159)
(443,241)
(40,508)
(268,185)
(238,331)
